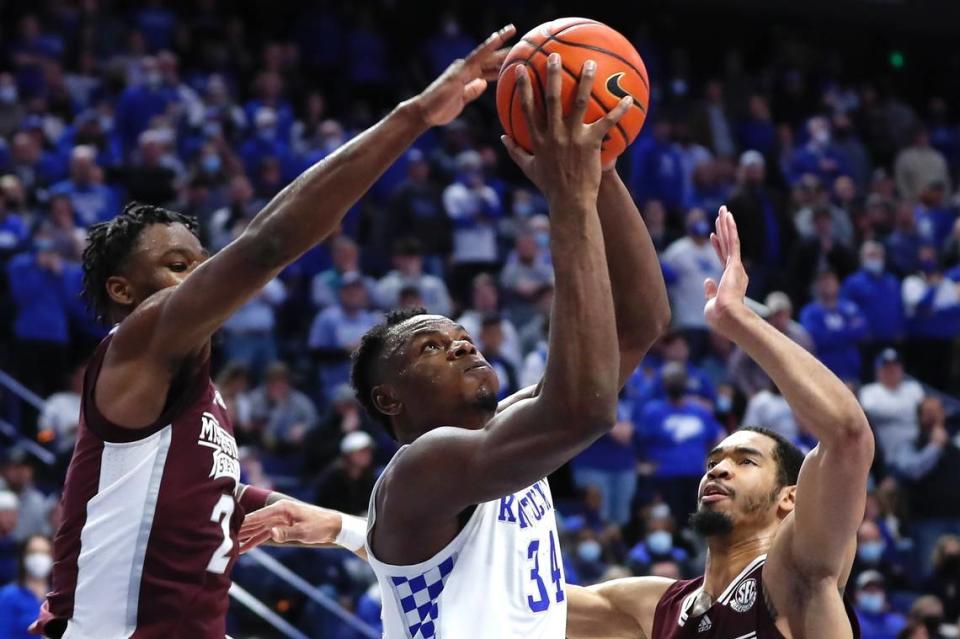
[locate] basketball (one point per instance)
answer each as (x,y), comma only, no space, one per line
(620,72)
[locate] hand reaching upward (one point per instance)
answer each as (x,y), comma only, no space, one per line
(725,299)
(464,80)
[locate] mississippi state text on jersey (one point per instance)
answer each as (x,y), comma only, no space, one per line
(150,520)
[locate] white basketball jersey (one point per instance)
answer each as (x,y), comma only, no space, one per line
(500,578)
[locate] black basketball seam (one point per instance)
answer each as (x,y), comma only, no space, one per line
(608,52)
(539,48)
(536,47)
(573,75)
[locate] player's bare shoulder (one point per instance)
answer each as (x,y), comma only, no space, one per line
(617,609)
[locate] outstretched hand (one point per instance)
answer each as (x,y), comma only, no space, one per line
(464,80)
(566,152)
(289,521)
(725,299)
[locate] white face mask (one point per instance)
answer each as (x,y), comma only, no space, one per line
(38,565)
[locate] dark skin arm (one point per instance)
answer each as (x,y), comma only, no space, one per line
(170,326)
(460,467)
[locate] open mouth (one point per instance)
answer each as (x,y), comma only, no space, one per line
(713,493)
(477,366)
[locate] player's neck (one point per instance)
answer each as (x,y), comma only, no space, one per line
(469,419)
(728,556)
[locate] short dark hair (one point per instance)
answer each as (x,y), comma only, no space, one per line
(110,243)
(789,458)
(364,370)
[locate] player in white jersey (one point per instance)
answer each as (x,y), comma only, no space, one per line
(462,533)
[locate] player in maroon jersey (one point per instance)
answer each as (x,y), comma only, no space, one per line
(152,501)
(781,536)
(781,528)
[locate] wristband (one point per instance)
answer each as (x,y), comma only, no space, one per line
(353,533)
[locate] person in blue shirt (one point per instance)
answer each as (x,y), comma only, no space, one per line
(20,600)
(656,169)
(270,93)
(837,327)
(140,103)
(491,336)
(932,306)
(40,325)
(675,348)
(266,142)
(13,232)
(92,201)
(876,619)
(674,436)
(819,156)
(904,242)
(876,292)
(934,217)
(657,545)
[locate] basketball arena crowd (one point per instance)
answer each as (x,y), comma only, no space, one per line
(845,193)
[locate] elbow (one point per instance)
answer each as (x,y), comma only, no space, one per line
(596,417)
(646,335)
(854,437)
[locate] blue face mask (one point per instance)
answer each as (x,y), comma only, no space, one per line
(724,404)
(589,550)
(872,602)
(870,552)
(543,240)
(659,542)
(700,228)
(211,163)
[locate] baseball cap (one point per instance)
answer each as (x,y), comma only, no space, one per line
(357,440)
(887,356)
(869,577)
(8,501)
(778,301)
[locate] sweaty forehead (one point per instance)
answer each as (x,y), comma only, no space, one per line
(401,334)
(157,239)
(748,439)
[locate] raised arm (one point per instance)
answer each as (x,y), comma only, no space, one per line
(577,404)
(179,320)
(816,540)
(639,294)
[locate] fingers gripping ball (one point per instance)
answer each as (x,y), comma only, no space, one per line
(620,72)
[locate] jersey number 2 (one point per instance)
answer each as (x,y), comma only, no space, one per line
(221,514)
(542,602)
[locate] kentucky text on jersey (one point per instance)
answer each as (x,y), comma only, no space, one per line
(522,510)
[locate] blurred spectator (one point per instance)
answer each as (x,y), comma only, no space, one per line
(655,217)
(609,465)
(927,614)
(692,260)
(658,546)
(877,621)
(935,218)
(346,259)
(140,103)
(347,484)
(766,231)
(836,326)
(20,600)
(756,132)
(13,231)
(92,201)
(148,180)
(853,150)
(40,325)
(265,143)
(818,253)
(930,464)
(446,46)
(673,437)
(33,507)
(919,165)
(656,168)
(875,552)
(474,208)
(227,222)
(710,123)
(9,505)
(905,241)
(322,444)
(336,331)
(60,416)
(932,306)
(891,404)
(68,238)
(282,414)
(523,277)
(249,333)
(698,387)
(876,293)
(745,373)
(840,226)
(589,561)
(233,382)
(11,109)
(945,580)
(416,209)
(491,336)
(819,156)
(485,301)
(534,332)
(769,409)
(408,271)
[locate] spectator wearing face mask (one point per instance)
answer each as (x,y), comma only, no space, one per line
(20,600)
(657,546)
(836,326)
(877,621)
(927,613)
(876,292)
(877,552)
(932,305)
(819,156)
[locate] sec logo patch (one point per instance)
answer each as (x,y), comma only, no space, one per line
(745,596)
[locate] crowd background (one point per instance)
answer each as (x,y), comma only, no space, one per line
(832,133)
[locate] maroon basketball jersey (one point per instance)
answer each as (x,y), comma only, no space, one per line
(740,611)
(150,520)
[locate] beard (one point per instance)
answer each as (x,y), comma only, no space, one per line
(710,523)
(486,400)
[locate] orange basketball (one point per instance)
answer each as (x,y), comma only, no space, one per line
(620,72)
